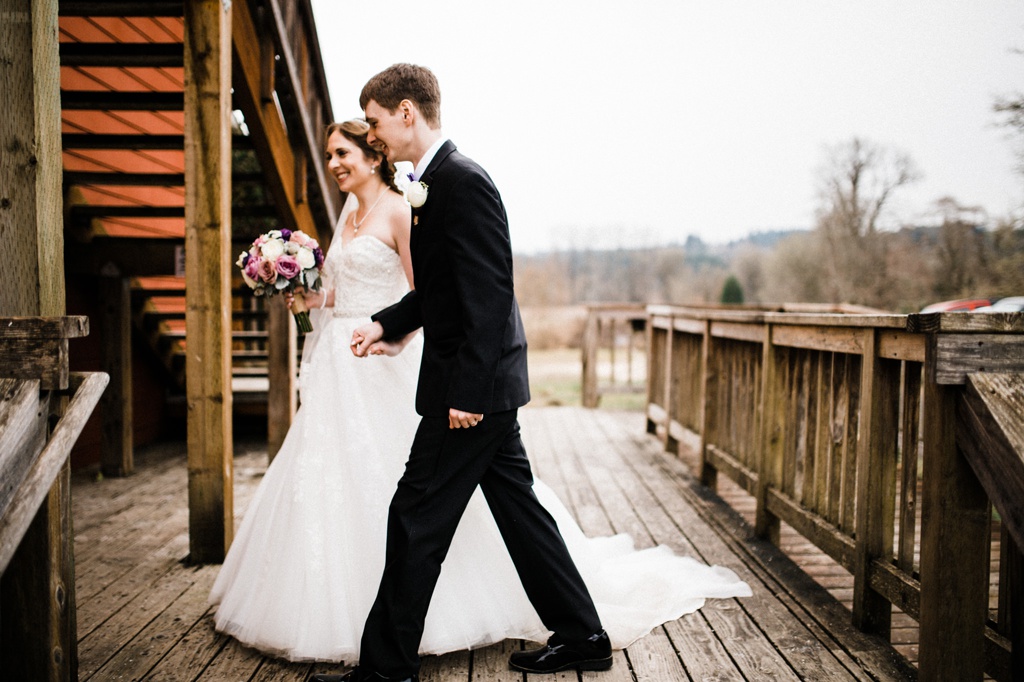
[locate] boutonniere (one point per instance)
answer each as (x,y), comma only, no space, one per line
(416,192)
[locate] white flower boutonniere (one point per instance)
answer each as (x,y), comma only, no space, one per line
(416,194)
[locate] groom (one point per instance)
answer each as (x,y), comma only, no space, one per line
(472,382)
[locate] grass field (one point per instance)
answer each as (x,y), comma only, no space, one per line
(556,379)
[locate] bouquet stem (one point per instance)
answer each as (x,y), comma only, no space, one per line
(301,313)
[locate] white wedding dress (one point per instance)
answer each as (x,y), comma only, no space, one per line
(305,564)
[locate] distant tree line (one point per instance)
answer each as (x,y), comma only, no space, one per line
(854,254)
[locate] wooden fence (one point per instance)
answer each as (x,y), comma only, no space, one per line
(841,425)
(611,330)
(43,408)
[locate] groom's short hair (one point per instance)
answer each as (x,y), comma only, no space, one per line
(405,81)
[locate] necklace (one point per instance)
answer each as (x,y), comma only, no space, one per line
(356,224)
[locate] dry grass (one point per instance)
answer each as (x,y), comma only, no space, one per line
(550,327)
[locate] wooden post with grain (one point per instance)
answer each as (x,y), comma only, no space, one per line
(207,275)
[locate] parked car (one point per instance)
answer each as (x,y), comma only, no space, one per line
(959,305)
(1010,304)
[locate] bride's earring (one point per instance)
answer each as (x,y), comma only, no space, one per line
(373,169)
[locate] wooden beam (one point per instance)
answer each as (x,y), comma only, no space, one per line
(85,213)
(877,441)
(208,267)
(769,440)
(294,68)
(270,137)
(965,322)
(121,179)
(133,142)
(38,637)
(121,54)
(144,179)
(85,100)
(281,368)
(990,431)
(147,8)
(116,448)
(960,355)
(954,544)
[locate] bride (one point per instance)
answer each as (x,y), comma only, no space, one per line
(305,565)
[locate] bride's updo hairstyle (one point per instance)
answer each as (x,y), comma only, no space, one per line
(355,131)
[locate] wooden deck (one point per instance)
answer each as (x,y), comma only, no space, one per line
(142,610)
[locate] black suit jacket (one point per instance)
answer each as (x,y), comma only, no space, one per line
(474,351)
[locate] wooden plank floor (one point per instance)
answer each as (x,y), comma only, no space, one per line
(142,612)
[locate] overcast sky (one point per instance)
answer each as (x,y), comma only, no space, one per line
(637,123)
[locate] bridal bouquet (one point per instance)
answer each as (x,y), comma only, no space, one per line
(284,261)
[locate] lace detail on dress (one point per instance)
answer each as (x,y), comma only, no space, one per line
(367,276)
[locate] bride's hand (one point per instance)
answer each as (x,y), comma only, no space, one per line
(364,337)
(388,348)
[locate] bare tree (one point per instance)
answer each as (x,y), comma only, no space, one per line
(1012,111)
(858,181)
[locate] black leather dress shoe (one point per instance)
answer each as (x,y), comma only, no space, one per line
(594,653)
(355,675)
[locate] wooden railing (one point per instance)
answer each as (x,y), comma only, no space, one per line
(43,409)
(841,426)
(613,334)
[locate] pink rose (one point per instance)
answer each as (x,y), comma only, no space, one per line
(267,272)
(299,237)
(252,268)
(288,267)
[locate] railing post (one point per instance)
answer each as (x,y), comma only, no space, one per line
(770,449)
(116,447)
(954,543)
(670,443)
(708,393)
(876,479)
(652,371)
(281,350)
(591,341)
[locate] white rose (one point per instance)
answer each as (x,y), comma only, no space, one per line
(291,248)
(416,194)
(249,280)
(305,258)
(272,249)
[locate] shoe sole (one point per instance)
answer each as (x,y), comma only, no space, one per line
(595,664)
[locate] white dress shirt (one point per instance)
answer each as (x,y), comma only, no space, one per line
(421,167)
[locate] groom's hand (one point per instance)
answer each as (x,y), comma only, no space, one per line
(457,419)
(364,337)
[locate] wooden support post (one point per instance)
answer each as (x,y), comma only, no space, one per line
(1011,579)
(708,400)
(671,444)
(116,449)
(878,433)
(591,342)
(770,441)
(281,349)
(207,273)
(611,350)
(954,543)
(42,643)
(652,371)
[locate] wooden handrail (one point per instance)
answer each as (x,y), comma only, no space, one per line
(828,418)
(15,517)
(992,437)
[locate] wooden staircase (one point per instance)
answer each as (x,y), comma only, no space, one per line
(158,317)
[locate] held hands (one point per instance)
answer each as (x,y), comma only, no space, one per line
(457,419)
(366,340)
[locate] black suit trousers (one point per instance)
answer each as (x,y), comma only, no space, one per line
(444,468)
